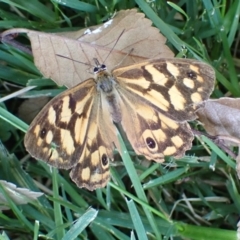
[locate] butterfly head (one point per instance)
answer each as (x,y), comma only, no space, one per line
(98,67)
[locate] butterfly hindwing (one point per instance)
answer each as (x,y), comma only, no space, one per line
(100,142)
(151,133)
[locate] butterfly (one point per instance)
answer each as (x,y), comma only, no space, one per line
(153,100)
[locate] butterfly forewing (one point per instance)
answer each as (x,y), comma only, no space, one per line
(173,86)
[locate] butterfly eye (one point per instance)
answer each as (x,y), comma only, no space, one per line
(96,69)
(103,66)
(104,159)
(151,143)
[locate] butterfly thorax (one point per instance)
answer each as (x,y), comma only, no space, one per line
(106,85)
(105,82)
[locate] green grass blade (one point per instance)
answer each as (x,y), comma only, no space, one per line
(81,224)
(141,232)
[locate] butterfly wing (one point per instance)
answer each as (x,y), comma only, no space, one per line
(173,86)
(150,132)
(157,98)
(69,133)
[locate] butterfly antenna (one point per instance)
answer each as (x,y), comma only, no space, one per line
(114,45)
(87,64)
(97,64)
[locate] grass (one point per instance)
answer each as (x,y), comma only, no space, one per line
(184,199)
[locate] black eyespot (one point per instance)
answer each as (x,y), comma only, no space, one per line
(150,142)
(43,133)
(191,74)
(104,159)
(96,69)
(103,66)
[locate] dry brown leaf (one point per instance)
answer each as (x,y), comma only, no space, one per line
(128,30)
(222,117)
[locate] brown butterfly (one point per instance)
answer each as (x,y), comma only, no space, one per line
(152,100)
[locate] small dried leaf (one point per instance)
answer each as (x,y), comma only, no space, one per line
(221,117)
(68,58)
(17,195)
